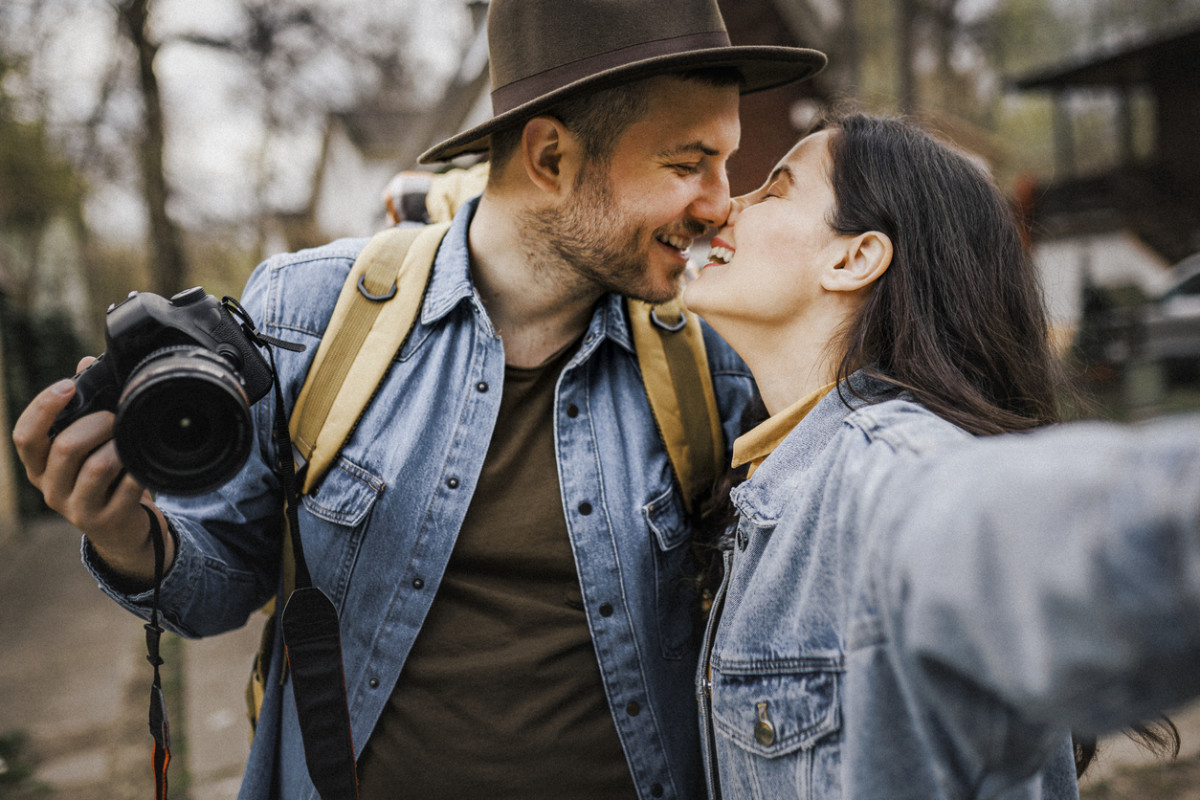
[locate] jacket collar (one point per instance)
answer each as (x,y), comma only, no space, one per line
(762,497)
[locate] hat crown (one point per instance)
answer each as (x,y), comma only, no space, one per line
(527,39)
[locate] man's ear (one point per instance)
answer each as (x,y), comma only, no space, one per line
(866,257)
(547,150)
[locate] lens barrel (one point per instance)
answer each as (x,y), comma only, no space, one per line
(183,422)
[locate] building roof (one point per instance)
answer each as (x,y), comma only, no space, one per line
(1163,57)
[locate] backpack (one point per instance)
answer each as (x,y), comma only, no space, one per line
(377,307)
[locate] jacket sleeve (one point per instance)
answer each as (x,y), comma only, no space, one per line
(1058,570)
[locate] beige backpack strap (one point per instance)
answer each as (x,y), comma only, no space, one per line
(674,364)
(376,309)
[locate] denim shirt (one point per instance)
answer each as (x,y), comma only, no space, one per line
(913,613)
(379,529)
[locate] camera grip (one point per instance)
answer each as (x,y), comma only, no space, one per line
(95,390)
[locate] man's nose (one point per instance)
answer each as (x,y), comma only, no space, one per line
(711,206)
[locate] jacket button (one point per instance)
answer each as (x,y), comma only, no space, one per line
(374,683)
(764,729)
(572,411)
(633,709)
(585,508)
(452,483)
(481,386)
(656,790)
(606,609)
(418,583)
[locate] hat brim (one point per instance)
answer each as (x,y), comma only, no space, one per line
(762,67)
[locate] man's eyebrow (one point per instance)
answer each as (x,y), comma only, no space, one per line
(689,148)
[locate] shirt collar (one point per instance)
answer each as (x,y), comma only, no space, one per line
(754,446)
(451,283)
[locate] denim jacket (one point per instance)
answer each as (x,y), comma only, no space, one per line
(913,613)
(378,531)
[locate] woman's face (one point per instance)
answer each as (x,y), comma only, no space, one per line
(765,263)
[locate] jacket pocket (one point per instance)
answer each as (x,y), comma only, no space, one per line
(674,574)
(776,731)
(334,519)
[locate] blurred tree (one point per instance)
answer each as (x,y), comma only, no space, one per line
(306,58)
(167,258)
(38,186)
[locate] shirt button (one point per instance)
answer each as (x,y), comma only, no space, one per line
(606,609)
(418,583)
(633,709)
(481,386)
(572,411)
(656,790)
(452,483)
(585,508)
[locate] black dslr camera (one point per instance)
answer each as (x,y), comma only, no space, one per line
(181,375)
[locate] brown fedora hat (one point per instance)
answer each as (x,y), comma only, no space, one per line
(543,51)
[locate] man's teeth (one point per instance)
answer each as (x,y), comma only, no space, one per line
(681,243)
(720,255)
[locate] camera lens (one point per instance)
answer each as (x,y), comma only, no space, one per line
(183,422)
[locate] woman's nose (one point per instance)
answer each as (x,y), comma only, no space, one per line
(736,205)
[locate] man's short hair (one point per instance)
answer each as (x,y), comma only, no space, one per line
(598,119)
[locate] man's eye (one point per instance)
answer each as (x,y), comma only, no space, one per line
(686,169)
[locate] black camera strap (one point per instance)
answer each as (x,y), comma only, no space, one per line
(312,638)
(159,729)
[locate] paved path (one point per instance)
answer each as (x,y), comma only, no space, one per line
(75,682)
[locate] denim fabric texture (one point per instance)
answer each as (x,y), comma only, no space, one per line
(378,531)
(913,613)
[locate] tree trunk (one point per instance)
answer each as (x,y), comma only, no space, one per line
(906,31)
(168,264)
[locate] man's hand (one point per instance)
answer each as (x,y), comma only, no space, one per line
(82,478)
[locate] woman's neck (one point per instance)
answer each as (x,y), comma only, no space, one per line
(790,363)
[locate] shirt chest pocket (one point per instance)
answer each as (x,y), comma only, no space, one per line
(776,732)
(332,523)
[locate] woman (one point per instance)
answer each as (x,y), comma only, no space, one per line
(912,608)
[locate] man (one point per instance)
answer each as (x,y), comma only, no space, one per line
(509,464)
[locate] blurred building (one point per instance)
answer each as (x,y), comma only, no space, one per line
(1123,203)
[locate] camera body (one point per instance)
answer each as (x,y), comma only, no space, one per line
(180,375)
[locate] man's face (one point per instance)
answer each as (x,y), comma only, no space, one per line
(628,224)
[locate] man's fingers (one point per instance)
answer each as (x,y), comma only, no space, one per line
(31,434)
(82,461)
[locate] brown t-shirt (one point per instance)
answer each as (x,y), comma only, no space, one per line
(501,696)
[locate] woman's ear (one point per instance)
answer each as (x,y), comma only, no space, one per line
(547,148)
(867,256)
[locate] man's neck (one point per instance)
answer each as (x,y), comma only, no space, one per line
(537,306)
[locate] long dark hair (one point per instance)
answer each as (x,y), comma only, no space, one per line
(958,318)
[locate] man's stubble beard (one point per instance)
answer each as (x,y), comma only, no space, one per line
(598,248)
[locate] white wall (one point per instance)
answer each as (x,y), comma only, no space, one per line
(1110,259)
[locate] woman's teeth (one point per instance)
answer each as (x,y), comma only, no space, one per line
(720,255)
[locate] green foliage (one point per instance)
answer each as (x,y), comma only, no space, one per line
(36,185)
(38,350)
